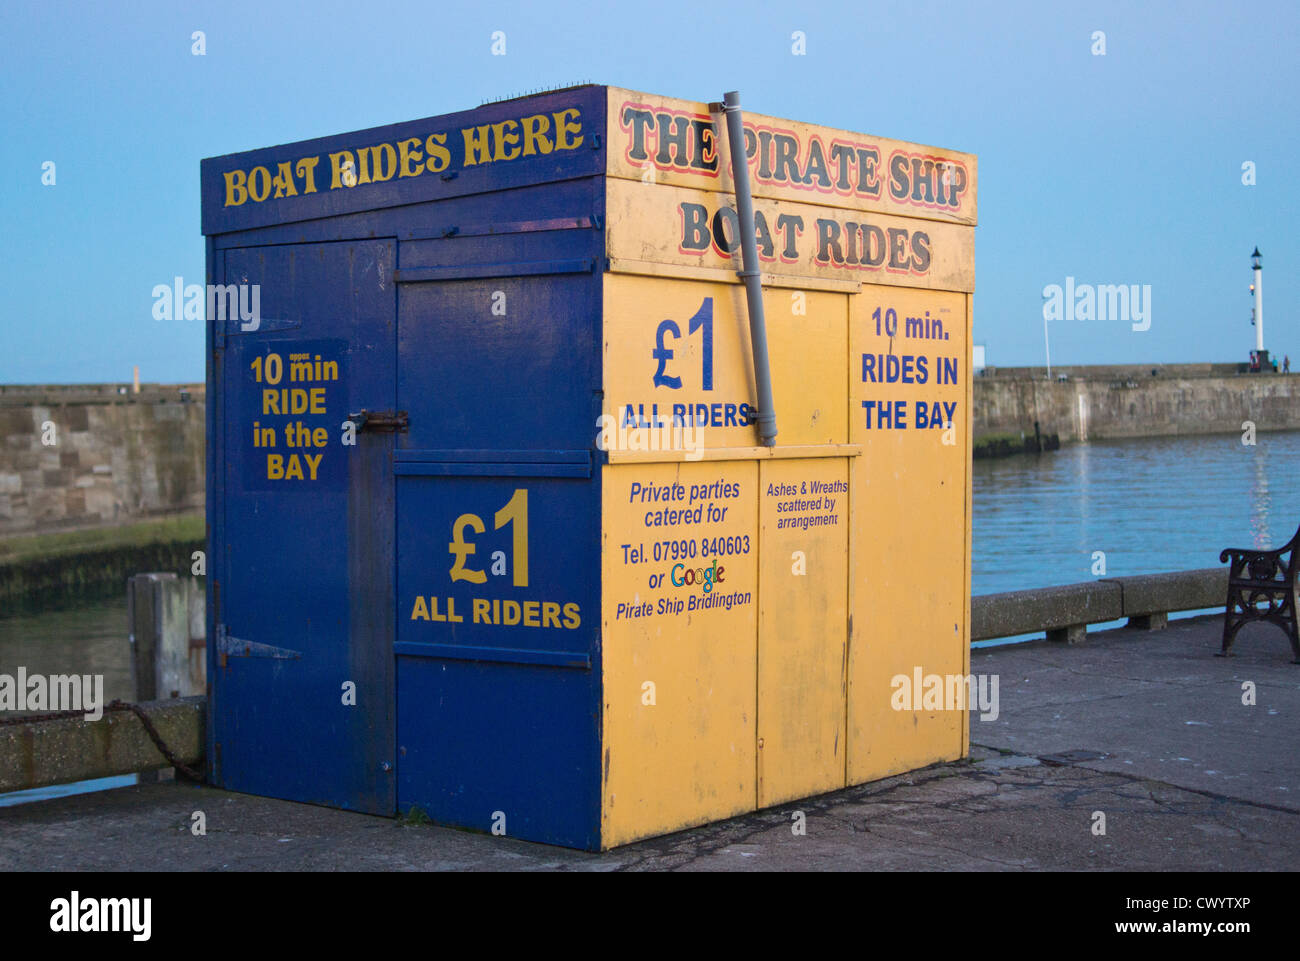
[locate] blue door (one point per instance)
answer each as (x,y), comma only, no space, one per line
(498,549)
(302,686)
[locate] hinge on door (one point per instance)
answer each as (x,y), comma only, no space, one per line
(228,646)
(382,421)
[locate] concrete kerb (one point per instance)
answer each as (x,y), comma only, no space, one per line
(73,749)
(1148,599)
(1065,611)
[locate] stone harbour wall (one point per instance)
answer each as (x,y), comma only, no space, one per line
(95,455)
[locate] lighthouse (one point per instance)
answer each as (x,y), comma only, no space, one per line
(1257,287)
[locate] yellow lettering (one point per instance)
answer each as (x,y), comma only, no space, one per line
(504,139)
(530,614)
(270,401)
(460,550)
(476,145)
(482,611)
(571,616)
(516,512)
(419,612)
(283,182)
(255,176)
(438,154)
(409,151)
(293,470)
(307,170)
(550,614)
(452,616)
(317,400)
(337,162)
(235,181)
(313,461)
(535,139)
(510,613)
(385,158)
(433,610)
(563,128)
(274,467)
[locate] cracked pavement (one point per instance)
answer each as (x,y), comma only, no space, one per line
(1187,776)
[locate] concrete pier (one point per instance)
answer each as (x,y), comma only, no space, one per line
(1148,400)
(1149,729)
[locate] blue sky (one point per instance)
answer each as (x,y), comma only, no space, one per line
(1123,168)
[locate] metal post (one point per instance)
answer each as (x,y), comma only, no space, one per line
(1048,345)
(749,273)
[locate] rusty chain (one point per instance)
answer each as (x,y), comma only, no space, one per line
(116,705)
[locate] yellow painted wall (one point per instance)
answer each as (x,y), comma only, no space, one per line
(909,558)
(688,757)
(674,763)
(623,163)
(802,627)
(807,340)
(712,712)
(646,226)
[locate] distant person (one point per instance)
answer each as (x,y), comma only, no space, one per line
(1254,362)
(1286,364)
(1275,365)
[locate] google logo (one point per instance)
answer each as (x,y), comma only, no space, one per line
(708,576)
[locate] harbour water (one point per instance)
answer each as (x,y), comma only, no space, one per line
(87,638)
(1142,506)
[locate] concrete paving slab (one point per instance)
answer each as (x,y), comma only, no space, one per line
(1159,705)
(998,814)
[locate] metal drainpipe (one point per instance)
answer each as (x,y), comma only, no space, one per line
(765,416)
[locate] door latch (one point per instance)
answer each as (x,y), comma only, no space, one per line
(381,421)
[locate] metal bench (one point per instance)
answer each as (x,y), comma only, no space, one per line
(1261,587)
